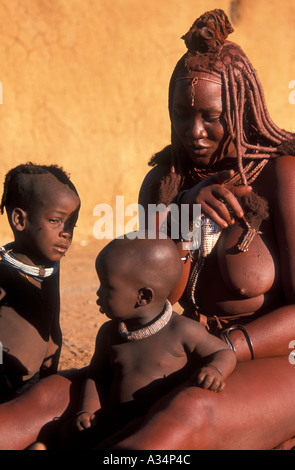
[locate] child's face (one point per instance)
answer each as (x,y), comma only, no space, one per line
(117,294)
(49,228)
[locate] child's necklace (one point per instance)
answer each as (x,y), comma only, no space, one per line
(148,330)
(39,273)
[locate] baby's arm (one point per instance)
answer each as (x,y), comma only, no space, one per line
(213,374)
(90,404)
(219,360)
(90,401)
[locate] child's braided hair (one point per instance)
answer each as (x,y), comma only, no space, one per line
(18,190)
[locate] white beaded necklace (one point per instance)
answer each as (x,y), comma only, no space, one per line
(148,330)
(39,273)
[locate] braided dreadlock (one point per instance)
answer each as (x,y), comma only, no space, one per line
(250,127)
(19,185)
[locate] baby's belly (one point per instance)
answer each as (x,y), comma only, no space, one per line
(233,282)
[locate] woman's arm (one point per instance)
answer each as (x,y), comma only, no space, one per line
(213,194)
(149,219)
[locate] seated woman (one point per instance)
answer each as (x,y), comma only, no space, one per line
(227,155)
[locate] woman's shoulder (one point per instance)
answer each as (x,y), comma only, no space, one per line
(276,183)
(278,173)
(161,164)
(281,171)
(284,163)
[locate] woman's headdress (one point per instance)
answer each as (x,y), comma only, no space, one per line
(208,33)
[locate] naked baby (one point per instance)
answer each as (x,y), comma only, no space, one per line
(146,349)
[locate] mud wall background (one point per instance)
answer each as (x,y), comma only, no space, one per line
(85,84)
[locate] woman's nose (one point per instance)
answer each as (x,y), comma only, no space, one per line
(198,130)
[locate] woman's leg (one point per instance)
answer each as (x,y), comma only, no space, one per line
(22,419)
(255,411)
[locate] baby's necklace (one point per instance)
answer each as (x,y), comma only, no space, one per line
(148,330)
(37,273)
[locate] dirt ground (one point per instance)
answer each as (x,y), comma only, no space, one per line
(80,316)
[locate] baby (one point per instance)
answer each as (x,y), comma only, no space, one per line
(42,207)
(146,349)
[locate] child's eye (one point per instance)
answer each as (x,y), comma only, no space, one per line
(54,221)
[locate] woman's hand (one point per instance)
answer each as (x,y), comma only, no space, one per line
(216,198)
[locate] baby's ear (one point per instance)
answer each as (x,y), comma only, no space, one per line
(145,296)
(18,219)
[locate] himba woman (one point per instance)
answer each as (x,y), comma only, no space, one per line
(227,155)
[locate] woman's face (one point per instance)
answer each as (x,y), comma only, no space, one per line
(198,118)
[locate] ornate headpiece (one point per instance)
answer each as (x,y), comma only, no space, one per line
(208,33)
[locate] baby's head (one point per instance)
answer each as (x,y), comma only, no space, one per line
(42,207)
(137,275)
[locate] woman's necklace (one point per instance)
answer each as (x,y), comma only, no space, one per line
(252,171)
(38,273)
(148,330)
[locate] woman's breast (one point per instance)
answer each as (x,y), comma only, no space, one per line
(235,282)
(247,274)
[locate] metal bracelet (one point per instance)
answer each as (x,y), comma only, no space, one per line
(227,340)
(246,335)
(216,368)
(83,411)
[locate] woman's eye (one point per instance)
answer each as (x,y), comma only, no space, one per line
(54,221)
(211,117)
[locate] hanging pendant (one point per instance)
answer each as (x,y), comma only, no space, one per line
(248,237)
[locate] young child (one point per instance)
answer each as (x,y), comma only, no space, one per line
(42,207)
(146,349)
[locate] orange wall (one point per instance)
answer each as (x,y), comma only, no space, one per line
(85,83)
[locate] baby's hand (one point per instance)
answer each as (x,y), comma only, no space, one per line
(209,378)
(85,420)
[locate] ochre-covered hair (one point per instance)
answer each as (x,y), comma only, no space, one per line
(250,127)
